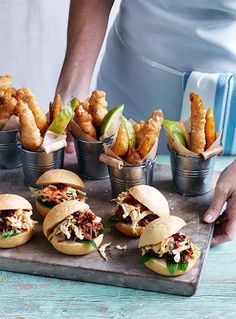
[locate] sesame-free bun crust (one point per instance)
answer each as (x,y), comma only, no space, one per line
(69,247)
(57,176)
(158,265)
(13,202)
(17,240)
(128,230)
(41,209)
(151,198)
(59,212)
(160,229)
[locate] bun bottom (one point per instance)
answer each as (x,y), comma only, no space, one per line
(159,266)
(69,247)
(128,230)
(41,209)
(17,240)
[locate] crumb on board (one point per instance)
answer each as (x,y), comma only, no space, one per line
(102,250)
(121,247)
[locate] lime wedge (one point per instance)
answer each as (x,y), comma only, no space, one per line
(111,122)
(60,123)
(130,131)
(176,130)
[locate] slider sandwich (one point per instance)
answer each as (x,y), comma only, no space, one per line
(72,228)
(57,186)
(166,250)
(16,225)
(136,208)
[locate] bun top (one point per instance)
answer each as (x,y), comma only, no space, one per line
(160,229)
(59,212)
(57,176)
(12,201)
(151,198)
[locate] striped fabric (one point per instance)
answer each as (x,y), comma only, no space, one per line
(219,91)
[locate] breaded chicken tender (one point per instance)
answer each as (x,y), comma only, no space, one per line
(133,157)
(54,108)
(8,109)
(210,128)
(148,132)
(27,96)
(30,136)
(121,146)
(198,121)
(85,121)
(98,106)
(5,82)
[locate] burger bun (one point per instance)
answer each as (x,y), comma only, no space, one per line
(159,266)
(160,229)
(69,247)
(57,215)
(16,240)
(60,176)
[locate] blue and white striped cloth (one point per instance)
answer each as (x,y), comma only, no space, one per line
(219,91)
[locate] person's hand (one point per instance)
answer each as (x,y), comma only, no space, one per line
(225,192)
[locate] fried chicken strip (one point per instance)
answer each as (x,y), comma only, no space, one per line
(98,106)
(198,121)
(121,146)
(29,133)
(27,96)
(8,109)
(54,108)
(133,157)
(148,132)
(210,128)
(5,82)
(85,121)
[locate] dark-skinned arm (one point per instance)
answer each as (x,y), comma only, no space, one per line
(86,30)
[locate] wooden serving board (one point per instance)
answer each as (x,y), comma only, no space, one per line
(122,268)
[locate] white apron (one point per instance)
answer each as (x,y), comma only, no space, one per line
(151,47)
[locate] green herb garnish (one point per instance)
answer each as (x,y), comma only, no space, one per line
(108,225)
(145,258)
(173,267)
(88,242)
(8,234)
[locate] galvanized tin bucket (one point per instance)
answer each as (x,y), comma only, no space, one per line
(192,176)
(9,155)
(128,176)
(36,163)
(89,165)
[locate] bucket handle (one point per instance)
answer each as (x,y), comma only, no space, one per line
(148,165)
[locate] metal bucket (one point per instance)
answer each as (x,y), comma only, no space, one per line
(9,155)
(128,176)
(192,176)
(36,163)
(89,165)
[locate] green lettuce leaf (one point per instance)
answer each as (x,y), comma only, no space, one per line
(87,242)
(145,258)
(109,223)
(173,267)
(8,234)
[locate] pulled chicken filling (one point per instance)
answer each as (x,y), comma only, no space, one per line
(130,211)
(52,195)
(79,226)
(15,221)
(176,249)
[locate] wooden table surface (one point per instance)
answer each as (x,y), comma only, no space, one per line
(26,296)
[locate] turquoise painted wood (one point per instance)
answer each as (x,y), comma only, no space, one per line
(26,296)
